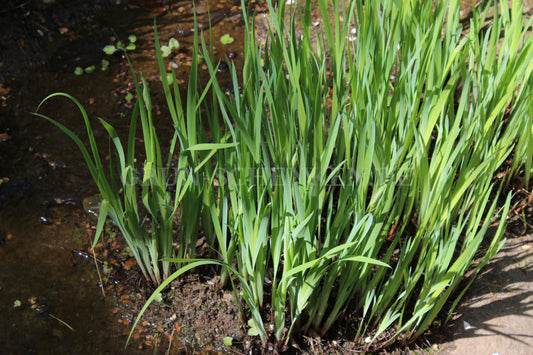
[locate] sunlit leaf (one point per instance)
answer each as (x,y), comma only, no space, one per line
(109,49)
(165,51)
(173,43)
(227,39)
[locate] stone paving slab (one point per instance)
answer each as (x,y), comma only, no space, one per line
(497,315)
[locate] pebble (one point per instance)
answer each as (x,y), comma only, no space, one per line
(223,67)
(44,220)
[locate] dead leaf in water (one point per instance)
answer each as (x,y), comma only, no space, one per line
(4,91)
(129,263)
(4,137)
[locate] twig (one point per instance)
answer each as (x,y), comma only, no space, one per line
(13,8)
(99,275)
(170,340)
(97,269)
(61,321)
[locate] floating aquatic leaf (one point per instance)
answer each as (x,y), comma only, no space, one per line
(129,96)
(109,49)
(132,38)
(173,43)
(131,47)
(105,64)
(78,71)
(227,39)
(121,46)
(165,51)
(17,303)
(90,69)
(228,341)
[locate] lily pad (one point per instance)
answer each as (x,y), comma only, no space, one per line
(227,39)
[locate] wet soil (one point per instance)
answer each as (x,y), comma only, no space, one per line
(50,294)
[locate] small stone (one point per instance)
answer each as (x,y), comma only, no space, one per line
(223,67)
(44,220)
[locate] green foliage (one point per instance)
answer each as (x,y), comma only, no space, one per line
(105,64)
(161,187)
(149,237)
(366,175)
(165,51)
(90,69)
(227,39)
(342,172)
(172,44)
(109,49)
